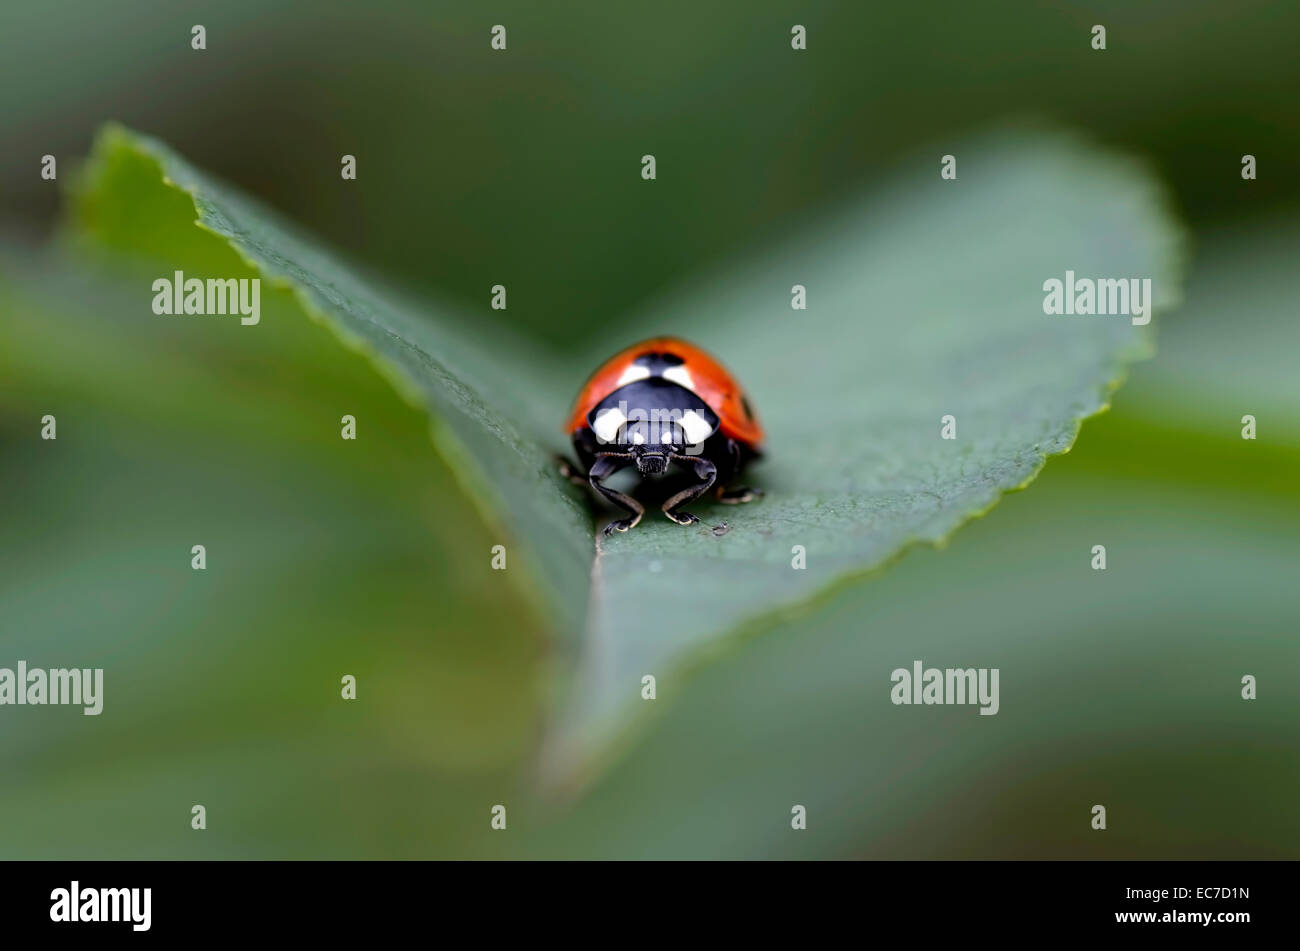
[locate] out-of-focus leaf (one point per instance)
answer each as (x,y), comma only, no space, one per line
(1238,343)
(324,557)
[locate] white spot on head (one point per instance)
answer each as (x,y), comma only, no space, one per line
(697,428)
(638,437)
(680,376)
(607,424)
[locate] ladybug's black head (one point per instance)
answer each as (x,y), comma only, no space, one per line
(650,460)
(652,420)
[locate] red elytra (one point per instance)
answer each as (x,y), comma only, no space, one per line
(709,380)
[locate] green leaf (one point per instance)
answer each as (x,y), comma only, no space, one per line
(1120,687)
(479,382)
(925,300)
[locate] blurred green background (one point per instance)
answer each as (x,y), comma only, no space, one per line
(477,168)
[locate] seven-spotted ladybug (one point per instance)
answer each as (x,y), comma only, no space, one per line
(657,403)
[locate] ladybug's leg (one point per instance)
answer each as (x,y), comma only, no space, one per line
(570,470)
(707,473)
(739,494)
(605,466)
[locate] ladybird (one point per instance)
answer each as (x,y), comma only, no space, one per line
(659,404)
